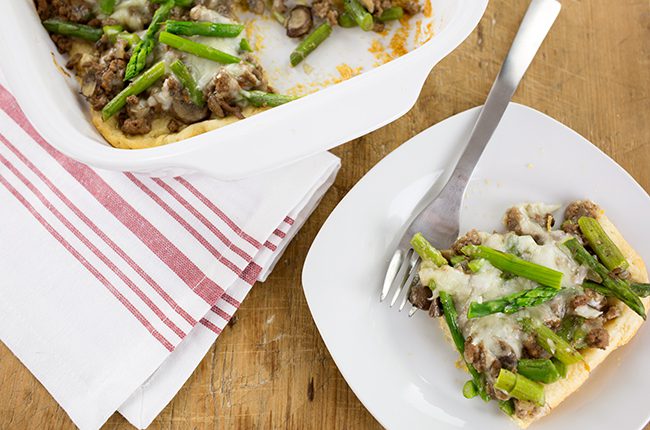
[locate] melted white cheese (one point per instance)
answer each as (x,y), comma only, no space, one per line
(203,69)
(131,13)
(161,96)
(532,211)
(489,284)
(494,328)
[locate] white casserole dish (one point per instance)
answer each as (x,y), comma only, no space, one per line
(320,121)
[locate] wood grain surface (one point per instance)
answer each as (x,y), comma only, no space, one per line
(270,368)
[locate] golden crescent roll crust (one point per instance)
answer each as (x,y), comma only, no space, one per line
(159,134)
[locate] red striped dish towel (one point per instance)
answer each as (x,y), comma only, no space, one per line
(116,284)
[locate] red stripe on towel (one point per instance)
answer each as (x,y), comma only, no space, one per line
(210,326)
(92,247)
(178,262)
(88,266)
(241,233)
(171,212)
(222,237)
(223,314)
(116,248)
(230,299)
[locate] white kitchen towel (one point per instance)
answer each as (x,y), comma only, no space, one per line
(114,280)
(149,400)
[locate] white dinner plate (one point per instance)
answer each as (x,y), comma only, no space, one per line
(402,369)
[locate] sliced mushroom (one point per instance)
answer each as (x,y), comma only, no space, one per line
(184,110)
(299,21)
(181,107)
(88,84)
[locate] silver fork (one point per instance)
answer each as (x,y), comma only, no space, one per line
(439,221)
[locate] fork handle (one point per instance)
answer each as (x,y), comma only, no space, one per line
(536,24)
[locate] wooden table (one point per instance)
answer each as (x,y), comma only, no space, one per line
(270,369)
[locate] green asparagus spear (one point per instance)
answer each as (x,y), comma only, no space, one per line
(573,331)
(144,81)
(619,288)
(560,367)
(539,370)
(107,6)
(72,29)
(198,49)
(211,29)
(520,387)
(551,342)
(138,60)
(598,288)
(183,74)
(262,99)
(141,50)
(426,251)
(115,32)
(451,317)
(470,390)
(507,406)
(457,259)
(359,14)
(111,32)
(391,14)
(432,285)
(605,249)
(512,302)
(346,20)
(641,290)
(131,39)
(515,265)
(310,43)
(244,46)
(476,264)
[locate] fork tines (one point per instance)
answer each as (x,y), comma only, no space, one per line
(402,272)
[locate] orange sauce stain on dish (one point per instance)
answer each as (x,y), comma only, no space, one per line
(398,43)
(379,51)
(259,42)
(256,40)
(346,72)
(418,31)
(298,90)
(428,10)
(428,32)
(254,37)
